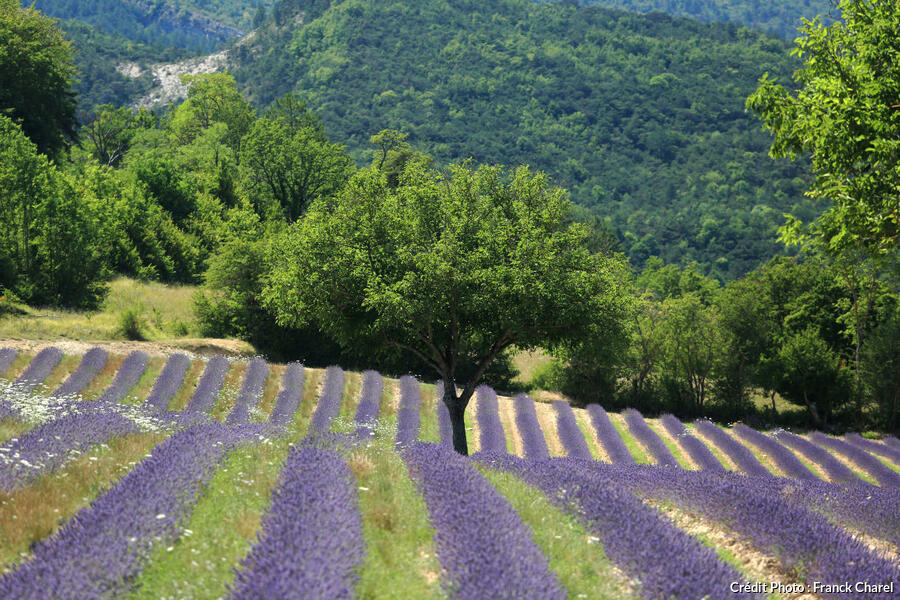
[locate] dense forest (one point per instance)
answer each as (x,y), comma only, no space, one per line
(782,18)
(641,117)
(221,188)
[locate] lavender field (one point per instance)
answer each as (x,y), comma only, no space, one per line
(157,477)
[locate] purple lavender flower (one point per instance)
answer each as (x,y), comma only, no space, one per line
(802,540)
(832,466)
(533,442)
(329,405)
(369,405)
(129,373)
(408,411)
(7,356)
(91,364)
(493,439)
(443,416)
(786,460)
(736,451)
(49,446)
(884,450)
(101,549)
(892,442)
(39,368)
(483,545)
(696,449)
(204,397)
(634,535)
(639,428)
(609,435)
(569,433)
(289,397)
(874,467)
(311,544)
(250,393)
(168,382)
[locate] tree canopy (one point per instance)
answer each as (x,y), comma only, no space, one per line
(36,75)
(452,268)
(846,117)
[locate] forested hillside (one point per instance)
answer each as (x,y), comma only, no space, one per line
(782,17)
(641,117)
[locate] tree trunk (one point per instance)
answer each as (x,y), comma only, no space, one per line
(457,412)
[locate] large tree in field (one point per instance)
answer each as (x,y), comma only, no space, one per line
(36,74)
(451,268)
(845,115)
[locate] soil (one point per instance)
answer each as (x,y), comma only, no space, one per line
(193,347)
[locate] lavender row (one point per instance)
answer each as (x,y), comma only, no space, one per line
(493,439)
(443,416)
(873,510)
(836,470)
(329,405)
(7,356)
(104,546)
(47,447)
(639,428)
(408,412)
(697,450)
(674,565)
(126,378)
(892,442)
(91,364)
(883,474)
(736,451)
(786,460)
(884,450)
(803,541)
(204,397)
(168,382)
(288,400)
(533,442)
(569,432)
(311,543)
(369,406)
(39,368)
(484,547)
(251,391)
(609,436)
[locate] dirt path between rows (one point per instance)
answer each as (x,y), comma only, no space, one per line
(194,347)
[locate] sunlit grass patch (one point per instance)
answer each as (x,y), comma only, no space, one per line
(18,365)
(141,389)
(188,386)
(429,430)
(221,529)
(575,556)
(400,558)
(66,366)
(270,391)
(637,451)
(37,510)
(671,444)
(12,428)
(104,378)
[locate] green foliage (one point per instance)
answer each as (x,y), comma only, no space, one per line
(49,251)
(212,98)
(285,168)
(881,368)
(131,324)
(36,75)
(641,117)
(846,117)
(783,17)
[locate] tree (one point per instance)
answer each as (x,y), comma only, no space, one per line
(36,75)
(212,98)
(110,133)
(846,116)
(451,268)
(291,167)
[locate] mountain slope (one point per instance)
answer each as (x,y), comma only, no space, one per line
(641,117)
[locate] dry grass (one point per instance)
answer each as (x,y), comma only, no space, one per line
(526,362)
(546,415)
(590,434)
(507,410)
(38,510)
(680,454)
(10,428)
(18,365)
(350,398)
(723,458)
(162,308)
